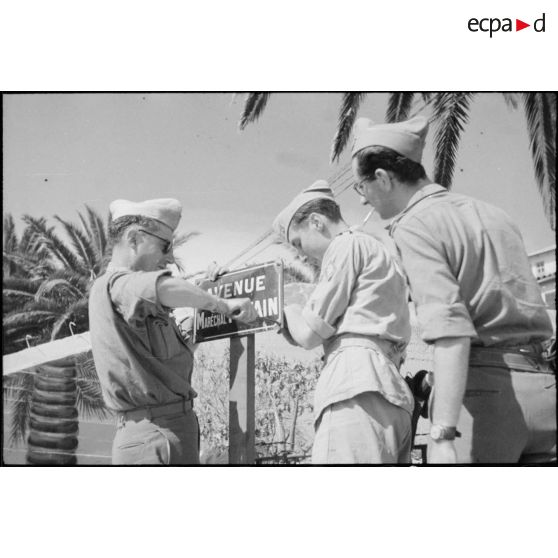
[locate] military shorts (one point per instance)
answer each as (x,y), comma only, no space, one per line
(363,429)
(168,440)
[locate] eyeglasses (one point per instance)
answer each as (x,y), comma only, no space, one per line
(358,187)
(168,243)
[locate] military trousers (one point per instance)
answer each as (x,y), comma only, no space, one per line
(508,413)
(167,440)
(363,429)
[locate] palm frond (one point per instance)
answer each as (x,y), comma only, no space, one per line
(511,100)
(254,105)
(90,402)
(85,225)
(77,313)
(16,293)
(55,246)
(28,318)
(98,231)
(540,111)
(29,286)
(451,113)
(10,240)
(82,245)
(52,286)
(399,105)
(17,392)
(28,242)
(28,264)
(347,116)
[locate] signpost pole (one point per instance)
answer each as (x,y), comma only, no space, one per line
(242,400)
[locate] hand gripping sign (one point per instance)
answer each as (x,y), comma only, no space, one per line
(262,284)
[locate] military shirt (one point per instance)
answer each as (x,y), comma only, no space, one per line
(360,292)
(468,271)
(140,356)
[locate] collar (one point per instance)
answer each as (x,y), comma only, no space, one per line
(112,267)
(425,192)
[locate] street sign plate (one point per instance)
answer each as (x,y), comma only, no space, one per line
(262,284)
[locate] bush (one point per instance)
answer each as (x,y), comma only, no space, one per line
(284,423)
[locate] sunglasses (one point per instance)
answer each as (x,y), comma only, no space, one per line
(168,243)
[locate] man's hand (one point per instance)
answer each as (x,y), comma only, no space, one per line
(186,327)
(240,309)
(214,271)
(442,451)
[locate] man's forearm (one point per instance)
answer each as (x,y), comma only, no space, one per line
(179,293)
(298,329)
(451,364)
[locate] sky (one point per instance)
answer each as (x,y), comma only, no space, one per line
(62,151)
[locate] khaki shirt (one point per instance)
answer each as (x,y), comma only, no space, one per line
(360,292)
(139,354)
(468,271)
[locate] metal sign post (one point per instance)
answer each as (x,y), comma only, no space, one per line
(263,285)
(242,412)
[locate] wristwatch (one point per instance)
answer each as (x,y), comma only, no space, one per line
(439,432)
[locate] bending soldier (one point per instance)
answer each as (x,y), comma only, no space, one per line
(358,312)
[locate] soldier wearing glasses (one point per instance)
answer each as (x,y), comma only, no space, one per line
(144,364)
(476,299)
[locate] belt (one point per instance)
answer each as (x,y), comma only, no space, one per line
(156,411)
(523,358)
(388,348)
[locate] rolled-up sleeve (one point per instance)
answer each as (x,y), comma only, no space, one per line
(434,289)
(332,295)
(134,295)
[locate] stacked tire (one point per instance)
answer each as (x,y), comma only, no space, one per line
(54,421)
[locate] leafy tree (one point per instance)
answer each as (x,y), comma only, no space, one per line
(450,114)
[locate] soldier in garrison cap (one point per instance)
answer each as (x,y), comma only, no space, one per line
(143,362)
(359,313)
(476,300)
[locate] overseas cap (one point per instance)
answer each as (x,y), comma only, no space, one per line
(320,189)
(166,211)
(406,138)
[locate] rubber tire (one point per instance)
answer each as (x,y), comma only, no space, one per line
(54,411)
(55,427)
(60,442)
(50,384)
(39,457)
(46,371)
(54,397)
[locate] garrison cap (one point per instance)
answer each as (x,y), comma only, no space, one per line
(166,211)
(319,190)
(406,138)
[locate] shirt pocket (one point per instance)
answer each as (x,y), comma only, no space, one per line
(163,338)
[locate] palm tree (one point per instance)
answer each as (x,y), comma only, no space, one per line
(49,283)
(450,114)
(46,291)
